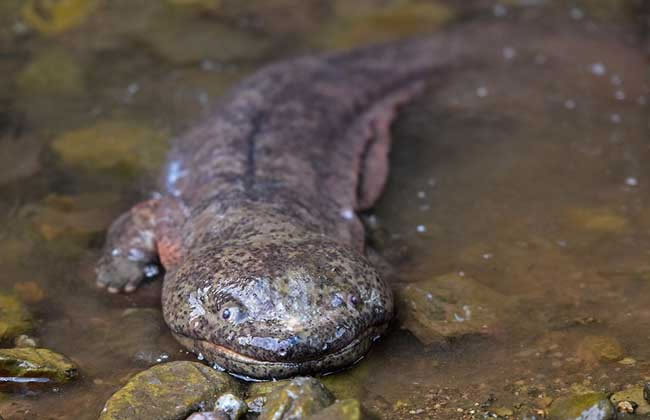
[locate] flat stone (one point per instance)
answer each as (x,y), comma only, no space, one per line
(169,391)
(600,348)
(447,307)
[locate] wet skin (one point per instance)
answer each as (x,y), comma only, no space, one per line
(256,226)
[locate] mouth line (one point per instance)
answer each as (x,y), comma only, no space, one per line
(371,332)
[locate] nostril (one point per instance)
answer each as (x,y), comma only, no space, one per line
(354,300)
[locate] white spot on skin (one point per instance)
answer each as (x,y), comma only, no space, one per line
(196,305)
(615,118)
(133,88)
(598,69)
(174,173)
(421,228)
(347,214)
(540,59)
(631,181)
(569,104)
(576,13)
(482,92)
(616,80)
(620,95)
(135,255)
(499,10)
(509,53)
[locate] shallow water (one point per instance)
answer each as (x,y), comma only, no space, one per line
(525,174)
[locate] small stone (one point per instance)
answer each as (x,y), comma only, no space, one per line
(590,406)
(169,391)
(646,392)
(634,395)
(25,341)
(503,412)
(626,407)
(258,393)
(627,361)
(209,415)
(300,397)
(234,407)
(36,365)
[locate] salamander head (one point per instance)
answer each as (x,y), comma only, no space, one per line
(277,309)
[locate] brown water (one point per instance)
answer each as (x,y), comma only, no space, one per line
(526,174)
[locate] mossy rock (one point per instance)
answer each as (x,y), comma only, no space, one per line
(26,362)
(590,406)
(15,319)
(359,24)
(258,393)
(340,410)
(126,147)
(349,383)
(302,396)
(53,72)
(52,17)
(169,391)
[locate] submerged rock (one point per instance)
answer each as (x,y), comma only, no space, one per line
(600,348)
(598,220)
(296,400)
(38,365)
(635,396)
(359,23)
(51,17)
(125,146)
(340,410)
(168,36)
(169,391)
(55,73)
(589,406)
(15,319)
(448,307)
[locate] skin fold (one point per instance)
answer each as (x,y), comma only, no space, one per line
(256,225)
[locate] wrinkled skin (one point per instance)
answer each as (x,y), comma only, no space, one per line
(257,226)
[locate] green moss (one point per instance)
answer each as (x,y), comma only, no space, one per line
(37,363)
(169,391)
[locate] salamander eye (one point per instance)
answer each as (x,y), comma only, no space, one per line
(232,313)
(225,314)
(354,300)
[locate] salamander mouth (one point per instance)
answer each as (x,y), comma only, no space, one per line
(249,368)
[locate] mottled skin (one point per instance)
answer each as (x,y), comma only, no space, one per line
(256,227)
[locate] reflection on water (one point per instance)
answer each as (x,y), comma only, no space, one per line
(525,175)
